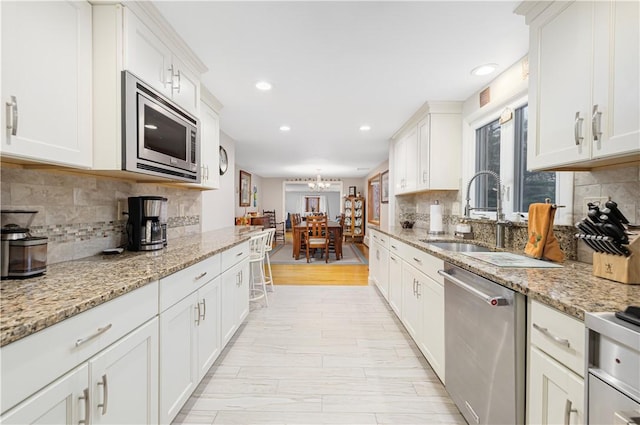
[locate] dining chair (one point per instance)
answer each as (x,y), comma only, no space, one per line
(272,223)
(335,244)
(268,247)
(317,236)
(257,282)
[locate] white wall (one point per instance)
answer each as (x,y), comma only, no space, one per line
(218,205)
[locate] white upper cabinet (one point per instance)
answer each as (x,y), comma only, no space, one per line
(136,38)
(209,142)
(147,56)
(46,82)
(427,149)
(584,88)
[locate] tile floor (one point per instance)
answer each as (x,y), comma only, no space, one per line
(321,355)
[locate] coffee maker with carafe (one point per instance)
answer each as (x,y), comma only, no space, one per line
(144,228)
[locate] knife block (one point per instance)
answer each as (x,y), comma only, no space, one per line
(617,267)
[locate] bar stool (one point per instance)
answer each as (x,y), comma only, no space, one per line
(268,248)
(257,284)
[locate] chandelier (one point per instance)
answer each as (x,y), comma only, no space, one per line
(319,185)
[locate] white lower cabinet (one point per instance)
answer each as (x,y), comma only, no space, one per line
(379,265)
(556,394)
(235,293)
(411,301)
(117,386)
(432,342)
(556,367)
(395,283)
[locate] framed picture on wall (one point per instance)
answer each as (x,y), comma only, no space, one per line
(245,189)
(384,188)
(374,200)
(352,191)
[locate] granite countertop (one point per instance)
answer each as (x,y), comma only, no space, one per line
(69,288)
(572,289)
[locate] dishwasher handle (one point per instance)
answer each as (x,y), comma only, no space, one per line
(491,300)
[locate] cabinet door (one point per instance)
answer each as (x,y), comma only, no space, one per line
(146,55)
(560,85)
(395,284)
(553,391)
(61,402)
(242,293)
(46,67)
(185,87)
(178,372)
(124,379)
(383,271)
(424,157)
(407,162)
(208,326)
(229,284)
(209,147)
(616,86)
(399,160)
(411,301)
(445,139)
(432,340)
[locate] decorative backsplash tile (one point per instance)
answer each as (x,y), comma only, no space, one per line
(79,213)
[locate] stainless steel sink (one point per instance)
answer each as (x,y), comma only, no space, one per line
(458,246)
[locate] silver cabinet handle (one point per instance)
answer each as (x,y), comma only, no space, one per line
(596,123)
(239,254)
(87,407)
(394,247)
(417,260)
(169,81)
(178,75)
(424,177)
(204,309)
(105,394)
(394,259)
(568,411)
(97,333)
(418,286)
(577,129)
(545,332)
(377,254)
(201,275)
(414,286)
(198,315)
(492,301)
(12,115)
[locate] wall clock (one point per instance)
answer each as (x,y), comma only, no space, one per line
(224,161)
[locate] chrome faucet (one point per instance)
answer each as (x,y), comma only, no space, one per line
(500,221)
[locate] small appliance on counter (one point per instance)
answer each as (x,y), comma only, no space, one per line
(23,255)
(147,224)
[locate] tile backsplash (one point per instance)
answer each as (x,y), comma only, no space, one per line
(79,212)
(622,184)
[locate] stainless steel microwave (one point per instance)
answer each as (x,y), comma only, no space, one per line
(159,138)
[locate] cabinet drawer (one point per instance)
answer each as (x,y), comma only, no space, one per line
(380,238)
(558,335)
(234,255)
(34,361)
(423,261)
(175,287)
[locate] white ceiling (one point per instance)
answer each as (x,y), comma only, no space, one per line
(335,66)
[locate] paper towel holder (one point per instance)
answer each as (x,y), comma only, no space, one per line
(436,230)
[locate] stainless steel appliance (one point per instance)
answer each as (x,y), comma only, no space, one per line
(145,230)
(22,255)
(613,365)
(159,138)
(485,325)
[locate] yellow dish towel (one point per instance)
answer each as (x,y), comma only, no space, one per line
(542,243)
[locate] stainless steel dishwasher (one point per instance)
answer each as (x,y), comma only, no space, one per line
(485,325)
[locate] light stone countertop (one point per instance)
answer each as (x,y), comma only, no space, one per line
(69,288)
(572,289)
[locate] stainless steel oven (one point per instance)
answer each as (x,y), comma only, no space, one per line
(613,365)
(159,137)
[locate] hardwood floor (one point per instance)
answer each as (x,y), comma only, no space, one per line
(293,274)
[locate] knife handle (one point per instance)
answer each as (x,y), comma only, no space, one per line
(616,212)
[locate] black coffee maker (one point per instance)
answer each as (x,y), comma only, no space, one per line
(145,230)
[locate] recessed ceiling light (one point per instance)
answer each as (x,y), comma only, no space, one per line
(485,69)
(263,85)
(285,128)
(365,128)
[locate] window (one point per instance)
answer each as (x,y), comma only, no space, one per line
(502,148)
(487,158)
(528,186)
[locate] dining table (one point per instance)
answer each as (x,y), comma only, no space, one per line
(334,228)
